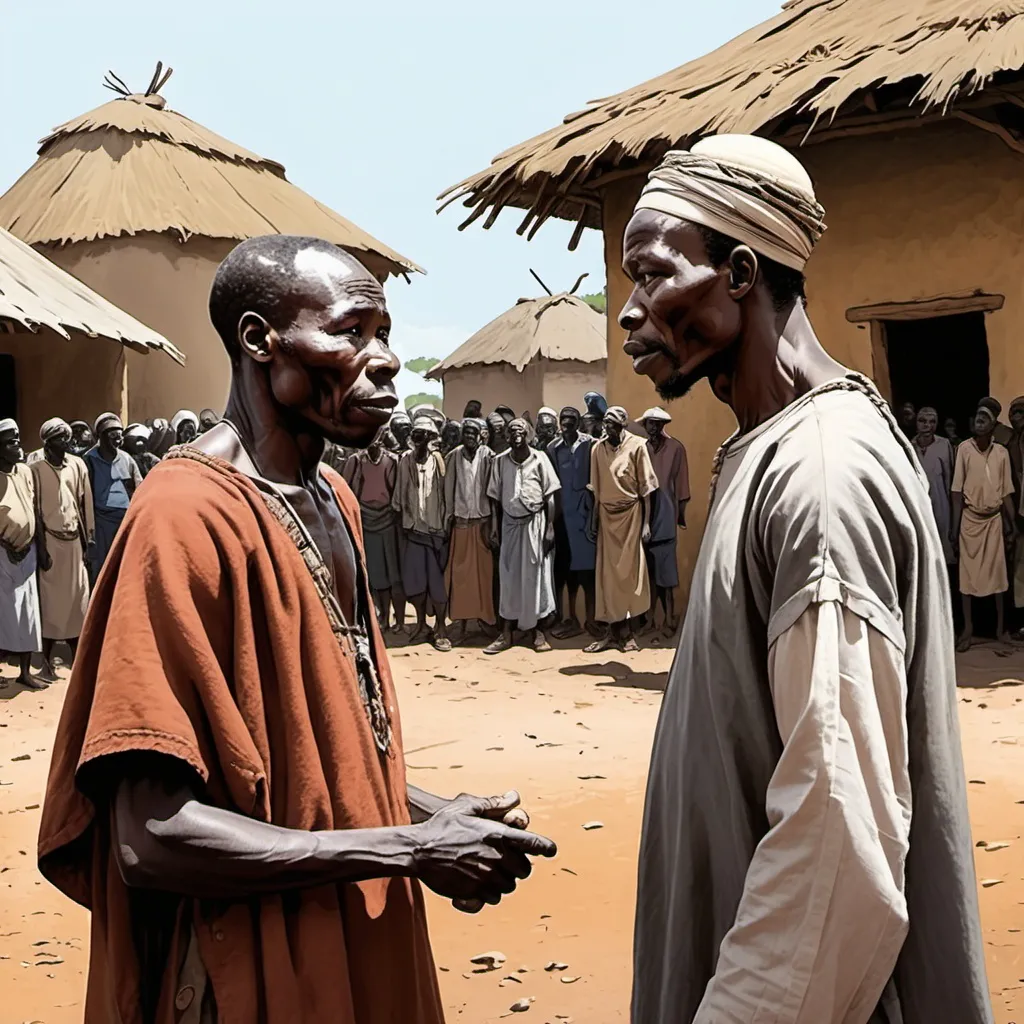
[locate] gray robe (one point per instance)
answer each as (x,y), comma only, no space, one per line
(824,499)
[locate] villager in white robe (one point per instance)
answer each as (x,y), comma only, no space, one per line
(64,499)
(984,479)
(527,572)
(19,597)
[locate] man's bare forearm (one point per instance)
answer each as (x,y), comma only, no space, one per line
(170,841)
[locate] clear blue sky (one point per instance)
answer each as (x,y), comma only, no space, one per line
(374,113)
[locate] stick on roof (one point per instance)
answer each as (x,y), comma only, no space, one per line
(134,165)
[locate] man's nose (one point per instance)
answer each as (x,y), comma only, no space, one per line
(384,365)
(632,316)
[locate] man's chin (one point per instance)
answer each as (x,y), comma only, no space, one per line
(676,385)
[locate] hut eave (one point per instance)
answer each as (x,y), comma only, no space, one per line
(817,67)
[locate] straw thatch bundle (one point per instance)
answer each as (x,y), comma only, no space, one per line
(557,327)
(133,165)
(35,293)
(818,67)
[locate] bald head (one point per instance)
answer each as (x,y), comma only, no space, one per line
(273,276)
(307,328)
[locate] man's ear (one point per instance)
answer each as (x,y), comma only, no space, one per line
(256,337)
(743,268)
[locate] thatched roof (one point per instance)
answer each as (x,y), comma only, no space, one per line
(819,66)
(134,165)
(35,294)
(558,326)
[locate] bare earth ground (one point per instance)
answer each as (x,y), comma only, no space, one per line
(572,732)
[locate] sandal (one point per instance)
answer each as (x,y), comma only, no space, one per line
(606,643)
(541,645)
(441,643)
(497,646)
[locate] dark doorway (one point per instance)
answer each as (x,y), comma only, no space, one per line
(8,388)
(940,361)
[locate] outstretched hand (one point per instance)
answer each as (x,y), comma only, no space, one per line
(475,849)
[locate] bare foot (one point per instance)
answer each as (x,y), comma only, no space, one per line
(670,629)
(594,628)
(30,682)
(1004,637)
(648,626)
(490,631)
(964,642)
(606,643)
(48,674)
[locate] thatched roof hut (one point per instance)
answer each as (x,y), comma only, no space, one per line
(909,115)
(816,68)
(142,204)
(545,351)
(41,307)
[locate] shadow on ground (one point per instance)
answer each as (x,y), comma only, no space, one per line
(991,665)
(622,675)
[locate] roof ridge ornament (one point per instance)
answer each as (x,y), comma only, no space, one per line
(150,97)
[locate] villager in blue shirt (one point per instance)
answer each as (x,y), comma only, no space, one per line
(114,476)
(575,552)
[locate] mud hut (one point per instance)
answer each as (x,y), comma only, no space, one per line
(909,116)
(62,346)
(545,351)
(142,204)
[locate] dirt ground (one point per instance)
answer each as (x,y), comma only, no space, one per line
(573,733)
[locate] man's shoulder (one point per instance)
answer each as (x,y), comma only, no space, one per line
(183,490)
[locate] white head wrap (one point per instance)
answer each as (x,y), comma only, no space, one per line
(425,423)
(139,430)
(618,414)
(546,411)
(744,187)
(8,426)
(107,421)
(656,413)
(55,427)
(184,416)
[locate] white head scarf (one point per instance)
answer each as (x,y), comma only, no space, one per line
(107,421)
(55,427)
(139,430)
(744,187)
(656,413)
(184,416)
(8,426)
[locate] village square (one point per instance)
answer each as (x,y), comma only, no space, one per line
(606,605)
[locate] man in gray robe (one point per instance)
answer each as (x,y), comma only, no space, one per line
(523,482)
(806,854)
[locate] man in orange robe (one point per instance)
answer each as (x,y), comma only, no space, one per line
(227,794)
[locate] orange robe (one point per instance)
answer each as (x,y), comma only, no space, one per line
(206,642)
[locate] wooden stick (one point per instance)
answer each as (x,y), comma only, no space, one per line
(991,126)
(541,283)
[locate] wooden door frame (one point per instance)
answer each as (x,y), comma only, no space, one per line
(918,309)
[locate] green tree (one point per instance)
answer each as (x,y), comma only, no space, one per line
(421,364)
(598,301)
(423,398)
